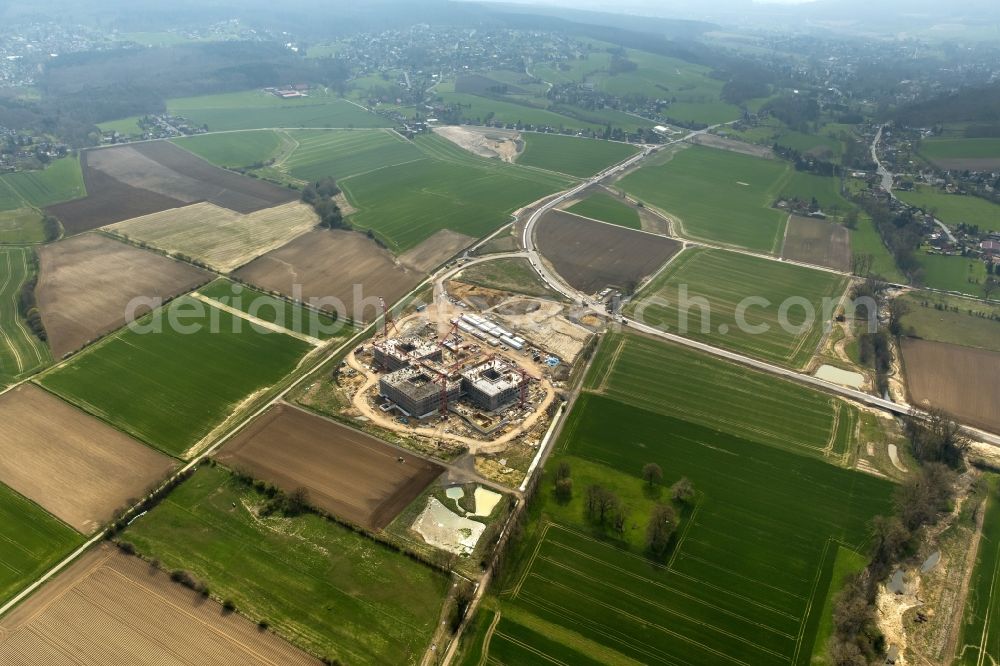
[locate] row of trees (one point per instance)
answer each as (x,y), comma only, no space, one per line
(27,306)
(938,444)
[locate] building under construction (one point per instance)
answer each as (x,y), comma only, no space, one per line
(420,389)
(395,353)
(419,392)
(493,384)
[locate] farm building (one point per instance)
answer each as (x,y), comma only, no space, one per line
(396,353)
(417,391)
(493,384)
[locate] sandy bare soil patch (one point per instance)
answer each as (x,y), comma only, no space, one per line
(75,466)
(818,242)
(485,142)
(113,609)
(86,282)
(436,250)
(162,167)
(544,324)
(342,265)
(734,145)
(222,238)
(961,380)
(107,201)
(348,473)
(592,255)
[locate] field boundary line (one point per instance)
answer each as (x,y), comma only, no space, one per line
(989,612)
(601,630)
(691,597)
(665,567)
(531,561)
(684,534)
(131,582)
(8,276)
(639,620)
(276,328)
(532,650)
(484,657)
(812,599)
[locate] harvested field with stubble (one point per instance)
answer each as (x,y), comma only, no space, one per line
(113,609)
(961,380)
(327,265)
(107,201)
(86,282)
(592,255)
(347,473)
(163,168)
(221,238)
(817,242)
(76,467)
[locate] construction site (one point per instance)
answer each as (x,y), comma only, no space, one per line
(477,384)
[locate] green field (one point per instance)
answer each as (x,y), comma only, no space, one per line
(21,352)
(825,146)
(718,195)
(126,126)
(954,209)
(865,240)
(20,225)
(513,275)
(825,189)
(695,93)
(959,321)
(745,581)
(980,641)
(846,564)
(255,109)
(678,382)
(604,207)
(31,542)
(943,148)
(481,109)
(235,149)
(572,155)
(276,310)
(951,272)
(61,180)
(450,189)
(724,279)
(171,388)
(328,589)
(320,154)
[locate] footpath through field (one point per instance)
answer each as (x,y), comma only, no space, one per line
(276,328)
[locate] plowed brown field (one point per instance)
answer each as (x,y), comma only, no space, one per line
(86,282)
(961,380)
(111,609)
(592,255)
(350,474)
(75,466)
(344,266)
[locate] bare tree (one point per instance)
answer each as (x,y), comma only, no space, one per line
(682,490)
(600,503)
(651,474)
(662,523)
(989,286)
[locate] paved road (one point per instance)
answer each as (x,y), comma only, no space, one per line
(584,299)
(888,181)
